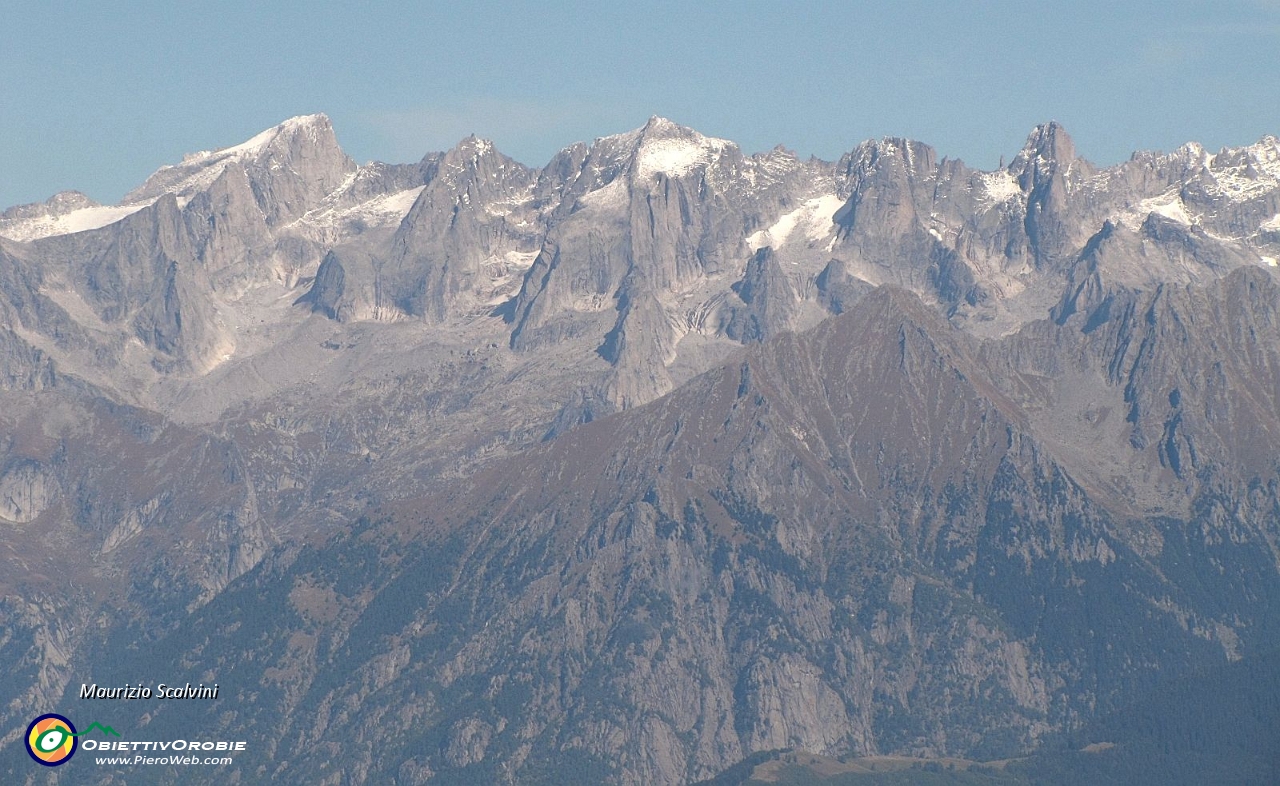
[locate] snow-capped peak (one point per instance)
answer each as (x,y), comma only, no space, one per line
(1244,173)
(469,150)
(673,150)
(274,148)
(1194,153)
(59,204)
(255,145)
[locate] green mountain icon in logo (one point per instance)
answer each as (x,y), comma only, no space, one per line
(99,726)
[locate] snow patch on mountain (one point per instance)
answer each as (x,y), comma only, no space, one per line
(614,194)
(384,210)
(1194,152)
(814,219)
(392,205)
(81,220)
(198,171)
(505,273)
(1246,173)
(1174,210)
(253,146)
(999,187)
(673,150)
(767,169)
(676,157)
(1169,205)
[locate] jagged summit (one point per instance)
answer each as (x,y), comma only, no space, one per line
(660,146)
(313,126)
(900,151)
(655,127)
(1047,143)
(59,204)
(673,150)
(660,123)
(469,151)
(476,143)
(304,149)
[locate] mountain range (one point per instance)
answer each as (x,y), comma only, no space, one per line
(634,466)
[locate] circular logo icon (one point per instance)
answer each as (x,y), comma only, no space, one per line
(51,740)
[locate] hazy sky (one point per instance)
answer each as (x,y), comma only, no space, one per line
(95,96)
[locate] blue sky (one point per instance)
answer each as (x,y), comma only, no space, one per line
(95,96)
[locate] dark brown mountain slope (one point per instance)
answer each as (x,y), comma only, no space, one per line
(849,541)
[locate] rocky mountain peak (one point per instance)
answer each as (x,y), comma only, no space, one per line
(306,137)
(1047,144)
(304,129)
(778,155)
(59,204)
(1260,161)
(1193,152)
(291,166)
(664,147)
(475,171)
(889,154)
(657,124)
(474,163)
(470,149)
